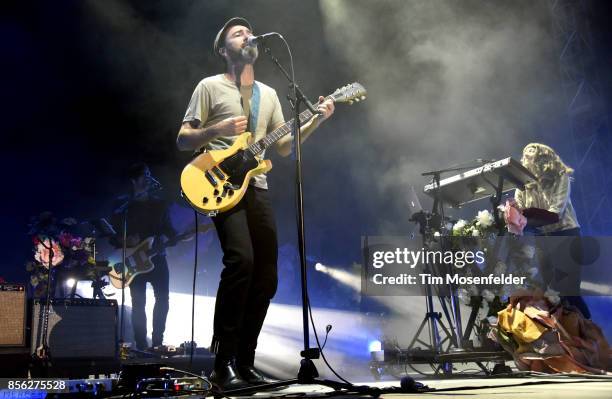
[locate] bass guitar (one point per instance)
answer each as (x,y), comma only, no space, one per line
(215,181)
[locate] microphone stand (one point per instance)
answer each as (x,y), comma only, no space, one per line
(123,209)
(308,370)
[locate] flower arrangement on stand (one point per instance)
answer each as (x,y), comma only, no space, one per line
(482,233)
(56,247)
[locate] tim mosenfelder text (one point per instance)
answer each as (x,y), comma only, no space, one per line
(405,256)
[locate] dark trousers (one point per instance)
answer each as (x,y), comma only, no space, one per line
(574,300)
(247,234)
(159,280)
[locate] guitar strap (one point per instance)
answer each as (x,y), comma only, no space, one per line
(252,111)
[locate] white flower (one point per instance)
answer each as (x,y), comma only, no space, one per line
(436,234)
(475,233)
(459,225)
(488,295)
(552,296)
(485,219)
(492,320)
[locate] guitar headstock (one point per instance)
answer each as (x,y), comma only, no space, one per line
(350,93)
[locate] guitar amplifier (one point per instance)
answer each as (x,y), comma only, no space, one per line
(77,328)
(12,315)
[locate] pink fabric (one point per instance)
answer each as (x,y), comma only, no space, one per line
(515,220)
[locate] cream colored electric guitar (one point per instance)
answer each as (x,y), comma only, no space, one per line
(216,181)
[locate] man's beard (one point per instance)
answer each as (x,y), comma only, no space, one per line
(246,55)
(249,54)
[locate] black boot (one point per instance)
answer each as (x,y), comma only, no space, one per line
(225,375)
(253,376)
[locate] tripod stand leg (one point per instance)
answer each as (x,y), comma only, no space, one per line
(418,333)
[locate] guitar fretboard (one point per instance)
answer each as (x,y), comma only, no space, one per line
(259,146)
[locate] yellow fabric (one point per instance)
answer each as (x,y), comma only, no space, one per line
(519,325)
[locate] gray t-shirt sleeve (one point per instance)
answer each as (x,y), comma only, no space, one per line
(198,107)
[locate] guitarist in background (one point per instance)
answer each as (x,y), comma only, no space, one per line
(147,216)
(222,107)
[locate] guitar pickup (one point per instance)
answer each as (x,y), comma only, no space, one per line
(210,178)
(218,173)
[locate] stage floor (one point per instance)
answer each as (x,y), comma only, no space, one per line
(476,388)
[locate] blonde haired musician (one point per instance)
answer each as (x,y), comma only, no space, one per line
(551,191)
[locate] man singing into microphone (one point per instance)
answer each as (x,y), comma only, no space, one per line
(222,107)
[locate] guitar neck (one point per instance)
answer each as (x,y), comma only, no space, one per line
(159,247)
(259,146)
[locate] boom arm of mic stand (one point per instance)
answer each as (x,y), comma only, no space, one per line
(299,95)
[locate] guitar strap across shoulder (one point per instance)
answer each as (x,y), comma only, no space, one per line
(252,111)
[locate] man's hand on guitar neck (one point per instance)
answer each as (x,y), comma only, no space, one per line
(325,107)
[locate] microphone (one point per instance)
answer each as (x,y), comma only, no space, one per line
(155,185)
(253,41)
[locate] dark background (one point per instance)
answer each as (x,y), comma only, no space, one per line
(89,87)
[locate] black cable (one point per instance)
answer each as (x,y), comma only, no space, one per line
(327,330)
(314,329)
(193,289)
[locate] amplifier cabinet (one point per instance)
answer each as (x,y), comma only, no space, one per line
(77,328)
(12,315)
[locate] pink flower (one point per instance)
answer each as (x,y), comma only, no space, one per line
(64,239)
(76,243)
(42,252)
(515,220)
